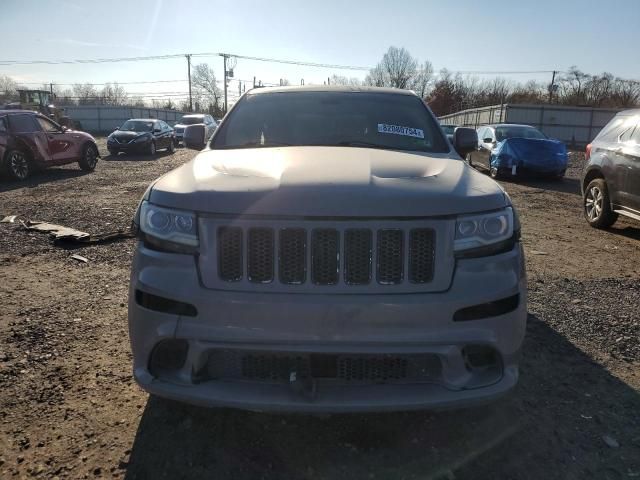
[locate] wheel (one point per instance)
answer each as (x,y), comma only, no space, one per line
(495,173)
(597,205)
(89,158)
(113,152)
(152,148)
(172,147)
(468,159)
(17,165)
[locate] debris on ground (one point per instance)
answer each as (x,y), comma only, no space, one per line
(62,234)
(80,258)
(610,441)
(9,219)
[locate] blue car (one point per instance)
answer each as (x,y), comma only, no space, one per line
(511,150)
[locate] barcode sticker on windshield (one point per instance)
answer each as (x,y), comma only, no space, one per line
(398,130)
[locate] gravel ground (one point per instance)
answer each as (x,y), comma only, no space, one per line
(69,407)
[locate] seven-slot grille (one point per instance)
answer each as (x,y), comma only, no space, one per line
(324,255)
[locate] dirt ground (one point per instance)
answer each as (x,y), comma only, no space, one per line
(70,409)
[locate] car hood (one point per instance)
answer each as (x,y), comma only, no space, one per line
(122,135)
(327,181)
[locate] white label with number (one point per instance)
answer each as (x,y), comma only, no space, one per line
(398,130)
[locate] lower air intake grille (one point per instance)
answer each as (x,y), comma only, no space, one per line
(230,253)
(324,256)
(277,367)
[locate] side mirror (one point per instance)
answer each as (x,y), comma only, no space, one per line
(157,130)
(194,137)
(488,140)
(63,128)
(465,140)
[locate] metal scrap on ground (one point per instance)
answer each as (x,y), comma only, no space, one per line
(9,219)
(61,233)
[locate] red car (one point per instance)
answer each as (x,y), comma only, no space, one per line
(31,141)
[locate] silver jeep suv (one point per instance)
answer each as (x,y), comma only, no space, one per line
(328,251)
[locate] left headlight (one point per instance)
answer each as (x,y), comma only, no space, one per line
(485,234)
(169,228)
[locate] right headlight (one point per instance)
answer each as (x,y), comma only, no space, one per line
(486,233)
(169,229)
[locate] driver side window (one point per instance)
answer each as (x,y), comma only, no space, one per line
(47,125)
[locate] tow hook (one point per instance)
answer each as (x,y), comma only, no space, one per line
(305,387)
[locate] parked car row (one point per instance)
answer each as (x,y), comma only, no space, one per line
(610,181)
(31,141)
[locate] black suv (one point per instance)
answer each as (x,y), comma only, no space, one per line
(611,178)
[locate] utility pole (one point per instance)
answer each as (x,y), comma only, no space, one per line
(189,76)
(51,88)
(224,56)
(551,87)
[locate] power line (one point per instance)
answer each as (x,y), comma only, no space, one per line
(106,83)
(288,62)
(247,57)
(92,60)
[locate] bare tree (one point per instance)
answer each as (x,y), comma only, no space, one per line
(85,94)
(400,67)
(205,87)
(113,94)
(342,80)
(422,81)
(376,77)
(8,89)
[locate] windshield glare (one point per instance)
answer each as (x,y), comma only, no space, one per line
(502,133)
(375,120)
(136,126)
(190,120)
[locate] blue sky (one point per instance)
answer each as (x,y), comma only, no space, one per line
(460,35)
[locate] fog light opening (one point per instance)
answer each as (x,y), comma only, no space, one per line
(479,357)
(168,356)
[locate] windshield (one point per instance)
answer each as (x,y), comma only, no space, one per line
(374,120)
(191,120)
(136,126)
(502,133)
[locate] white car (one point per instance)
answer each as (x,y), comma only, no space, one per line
(194,119)
(328,252)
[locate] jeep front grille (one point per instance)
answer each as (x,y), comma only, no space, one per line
(353,256)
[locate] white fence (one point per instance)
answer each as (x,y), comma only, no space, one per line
(577,126)
(104,119)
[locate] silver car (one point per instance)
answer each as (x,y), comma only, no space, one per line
(328,252)
(208,121)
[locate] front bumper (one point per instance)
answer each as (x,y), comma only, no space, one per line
(304,324)
(129,147)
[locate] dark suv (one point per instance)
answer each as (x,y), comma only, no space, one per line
(611,179)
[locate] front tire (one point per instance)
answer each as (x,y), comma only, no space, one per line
(17,165)
(495,173)
(172,147)
(89,158)
(468,159)
(597,205)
